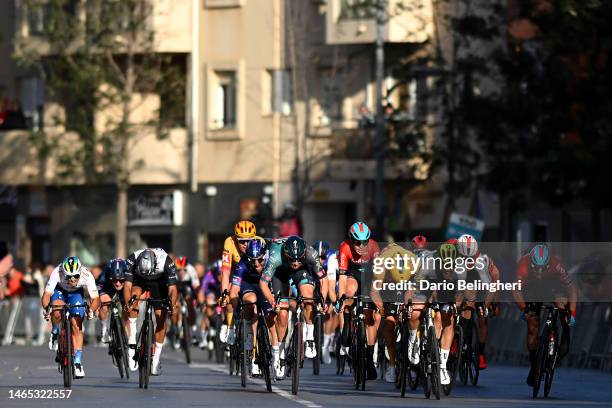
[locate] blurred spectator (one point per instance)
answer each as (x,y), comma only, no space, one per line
(14,286)
(199,267)
(366,117)
(33,281)
(289,222)
(14,119)
(3,110)
(96,271)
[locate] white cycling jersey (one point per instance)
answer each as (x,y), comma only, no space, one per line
(86,281)
(332,267)
(189,274)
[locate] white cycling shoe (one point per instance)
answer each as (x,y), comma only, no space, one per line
(231,336)
(310,350)
(53,342)
(131,361)
(156,369)
(255,371)
(444,377)
(79,371)
(223,333)
(413,352)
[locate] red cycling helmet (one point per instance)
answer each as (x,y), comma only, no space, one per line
(419,242)
(181,262)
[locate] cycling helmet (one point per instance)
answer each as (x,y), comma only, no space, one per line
(244,229)
(359,231)
(467,246)
(419,242)
(294,248)
(452,241)
(256,249)
(71,266)
(540,256)
(181,262)
(322,248)
(146,263)
(447,251)
(117,268)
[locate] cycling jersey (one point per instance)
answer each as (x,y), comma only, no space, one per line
(231,254)
(104,284)
(331,265)
(279,265)
(86,281)
(245,272)
(555,271)
(210,284)
(189,275)
(164,267)
(352,263)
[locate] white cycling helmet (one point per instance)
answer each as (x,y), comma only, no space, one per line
(71,266)
(467,246)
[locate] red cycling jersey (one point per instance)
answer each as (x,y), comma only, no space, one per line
(350,260)
(555,270)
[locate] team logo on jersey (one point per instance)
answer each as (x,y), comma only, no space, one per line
(225,257)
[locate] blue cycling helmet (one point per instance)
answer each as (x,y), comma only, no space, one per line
(117,268)
(256,249)
(322,248)
(359,231)
(540,256)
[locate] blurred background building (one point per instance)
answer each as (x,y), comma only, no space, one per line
(275,104)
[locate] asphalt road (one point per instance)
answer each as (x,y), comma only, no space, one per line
(202,384)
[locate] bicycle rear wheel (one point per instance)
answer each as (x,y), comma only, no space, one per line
(296,351)
(550,367)
(123,344)
(244,357)
(264,357)
(316,362)
(67,358)
(540,365)
(434,352)
(403,360)
(115,346)
(362,354)
(186,339)
(474,364)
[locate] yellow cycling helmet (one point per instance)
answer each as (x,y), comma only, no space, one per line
(244,229)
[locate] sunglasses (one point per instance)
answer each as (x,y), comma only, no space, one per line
(360,243)
(117,280)
(243,241)
(259,260)
(73,277)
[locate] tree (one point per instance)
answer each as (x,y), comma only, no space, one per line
(101,66)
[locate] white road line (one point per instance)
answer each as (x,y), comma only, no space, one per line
(46,367)
(261,383)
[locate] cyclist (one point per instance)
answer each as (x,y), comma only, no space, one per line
(446,299)
(207,295)
(66,286)
(246,281)
(485,270)
(329,261)
(109,283)
(395,274)
(355,255)
(150,270)
(292,259)
(188,284)
(418,243)
(542,275)
(233,249)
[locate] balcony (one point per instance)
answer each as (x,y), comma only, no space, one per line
(353,155)
(170,20)
(348,23)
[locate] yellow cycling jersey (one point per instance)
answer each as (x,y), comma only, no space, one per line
(403,264)
(231,254)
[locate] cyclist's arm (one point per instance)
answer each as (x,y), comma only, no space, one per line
(129,276)
(171,279)
(226,263)
(521,274)
(332,271)
(274,261)
(92,291)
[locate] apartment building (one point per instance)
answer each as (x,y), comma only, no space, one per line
(273,89)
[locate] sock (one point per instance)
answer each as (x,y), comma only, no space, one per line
(275,353)
(309,331)
(77,356)
(412,334)
(104,326)
(132,339)
(281,349)
(327,339)
(157,352)
(204,334)
(230,318)
(481,347)
(443,357)
(370,355)
(55,329)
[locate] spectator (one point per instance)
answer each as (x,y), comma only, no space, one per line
(15,119)
(289,223)
(366,118)
(14,286)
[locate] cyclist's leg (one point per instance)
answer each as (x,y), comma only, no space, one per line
(137,291)
(159,289)
(533,329)
(447,322)
(391,320)
(77,315)
(564,340)
(352,288)
(103,314)
(57,299)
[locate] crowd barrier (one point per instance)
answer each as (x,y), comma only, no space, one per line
(21,322)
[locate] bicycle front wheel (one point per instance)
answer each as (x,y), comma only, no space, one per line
(186,339)
(540,365)
(296,351)
(67,358)
(264,357)
(243,353)
(318,327)
(434,353)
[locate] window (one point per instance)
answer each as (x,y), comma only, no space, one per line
(330,98)
(172,91)
(282,92)
(356,10)
(224,102)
